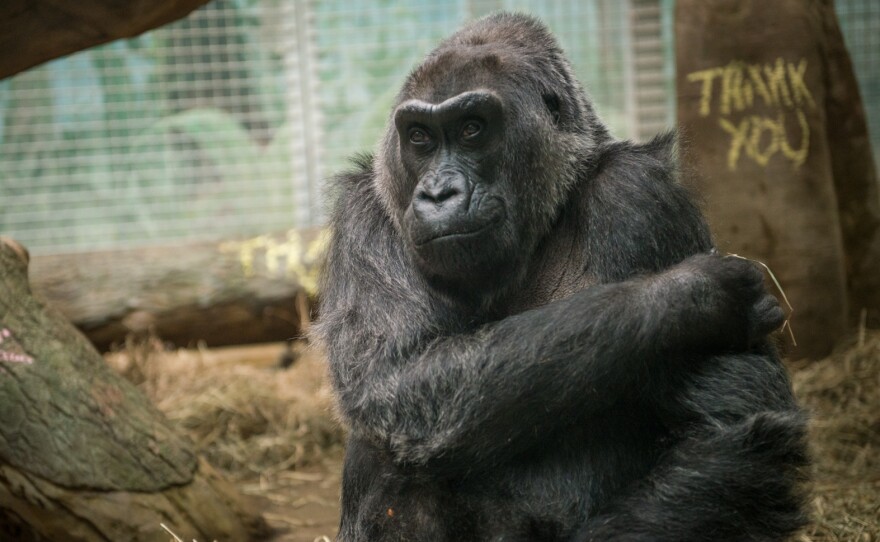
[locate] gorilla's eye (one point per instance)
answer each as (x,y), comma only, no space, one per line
(418,136)
(471,129)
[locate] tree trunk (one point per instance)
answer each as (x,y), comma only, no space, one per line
(34,31)
(83,454)
(233,292)
(773,127)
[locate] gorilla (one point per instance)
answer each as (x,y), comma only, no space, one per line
(529,335)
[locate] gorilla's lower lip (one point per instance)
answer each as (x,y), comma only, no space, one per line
(457,235)
(445,236)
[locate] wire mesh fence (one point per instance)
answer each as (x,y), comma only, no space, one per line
(226,123)
(202,129)
(860,24)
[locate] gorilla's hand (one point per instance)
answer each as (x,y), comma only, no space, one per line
(728,293)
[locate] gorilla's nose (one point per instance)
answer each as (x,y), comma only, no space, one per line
(437,194)
(440,197)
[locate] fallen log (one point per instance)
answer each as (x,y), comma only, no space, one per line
(84,455)
(215,293)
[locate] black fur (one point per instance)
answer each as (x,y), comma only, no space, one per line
(606,380)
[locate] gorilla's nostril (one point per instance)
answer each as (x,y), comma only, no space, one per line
(442,189)
(438,194)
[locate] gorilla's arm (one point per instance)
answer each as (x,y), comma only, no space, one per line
(746,438)
(711,481)
(412,376)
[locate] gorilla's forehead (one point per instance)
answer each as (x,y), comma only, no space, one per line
(447,73)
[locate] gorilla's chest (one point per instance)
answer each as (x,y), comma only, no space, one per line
(551,281)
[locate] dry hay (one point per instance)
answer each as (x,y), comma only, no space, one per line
(842,393)
(245,416)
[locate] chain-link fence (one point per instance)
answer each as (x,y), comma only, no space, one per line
(225,123)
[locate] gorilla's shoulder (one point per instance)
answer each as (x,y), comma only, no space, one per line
(354,188)
(358,175)
(641,217)
(355,206)
(654,161)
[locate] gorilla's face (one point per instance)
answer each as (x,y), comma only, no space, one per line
(478,161)
(460,215)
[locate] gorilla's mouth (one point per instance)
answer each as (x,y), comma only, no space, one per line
(457,235)
(461,231)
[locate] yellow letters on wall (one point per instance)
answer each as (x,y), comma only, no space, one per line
(740,87)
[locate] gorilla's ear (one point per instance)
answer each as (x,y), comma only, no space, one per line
(664,147)
(552,103)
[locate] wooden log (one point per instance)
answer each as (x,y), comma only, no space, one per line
(34,31)
(220,293)
(84,455)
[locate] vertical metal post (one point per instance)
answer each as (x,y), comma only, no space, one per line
(629,72)
(303,118)
(293,107)
(308,80)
